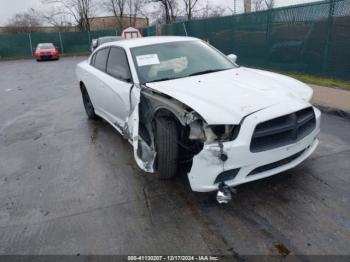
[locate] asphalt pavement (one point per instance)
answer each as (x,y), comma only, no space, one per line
(71,186)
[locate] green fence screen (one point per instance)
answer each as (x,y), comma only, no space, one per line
(311,38)
(21,45)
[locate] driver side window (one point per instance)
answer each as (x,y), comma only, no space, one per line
(117,65)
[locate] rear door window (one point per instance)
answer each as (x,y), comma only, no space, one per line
(100,60)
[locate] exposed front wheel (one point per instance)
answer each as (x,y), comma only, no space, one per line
(89,108)
(167,147)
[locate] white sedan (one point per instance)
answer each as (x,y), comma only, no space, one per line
(178,99)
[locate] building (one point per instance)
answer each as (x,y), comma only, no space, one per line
(115,23)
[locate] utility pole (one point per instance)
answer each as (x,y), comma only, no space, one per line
(235,6)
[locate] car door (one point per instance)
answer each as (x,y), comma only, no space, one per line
(95,85)
(117,85)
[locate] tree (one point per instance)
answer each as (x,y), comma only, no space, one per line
(82,11)
(121,8)
(117,7)
(263,4)
(25,22)
(212,11)
(190,6)
(135,9)
(169,9)
(257,5)
(55,17)
(270,4)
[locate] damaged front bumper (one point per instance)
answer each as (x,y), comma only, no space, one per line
(241,165)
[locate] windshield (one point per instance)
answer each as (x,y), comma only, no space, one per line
(176,60)
(46,46)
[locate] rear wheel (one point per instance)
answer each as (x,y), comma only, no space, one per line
(89,108)
(167,147)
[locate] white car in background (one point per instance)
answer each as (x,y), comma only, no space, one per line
(179,99)
(102,40)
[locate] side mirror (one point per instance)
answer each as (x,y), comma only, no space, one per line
(34,50)
(233,58)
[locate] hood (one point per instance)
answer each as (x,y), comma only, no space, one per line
(226,97)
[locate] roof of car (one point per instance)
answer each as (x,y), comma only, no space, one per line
(150,40)
(112,36)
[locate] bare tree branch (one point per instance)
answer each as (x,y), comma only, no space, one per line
(135,9)
(169,9)
(117,7)
(212,11)
(25,22)
(263,4)
(81,11)
(190,6)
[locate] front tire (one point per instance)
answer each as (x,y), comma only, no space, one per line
(167,148)
(89,108)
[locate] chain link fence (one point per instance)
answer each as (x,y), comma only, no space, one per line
(311,38)
(21,45)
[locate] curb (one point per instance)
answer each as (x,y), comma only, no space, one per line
(341,88)
(334,111)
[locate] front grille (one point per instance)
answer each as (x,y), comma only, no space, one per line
(277,164)
(283,130)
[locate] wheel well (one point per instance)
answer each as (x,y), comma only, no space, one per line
(166,114)
(188,148)
(148,130)
(182,130)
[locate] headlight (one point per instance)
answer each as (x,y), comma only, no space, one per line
(212,133)
(309,94)
(305,93)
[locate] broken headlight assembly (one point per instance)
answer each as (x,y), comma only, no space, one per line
(213,133)
(222,133)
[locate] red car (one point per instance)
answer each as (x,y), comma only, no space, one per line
(46,51)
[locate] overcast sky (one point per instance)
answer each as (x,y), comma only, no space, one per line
(10,7)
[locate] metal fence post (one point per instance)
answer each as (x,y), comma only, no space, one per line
(89,37)
(30,44)
(184,25)
(329,36)
(61,43)
(268,32)
(268,24)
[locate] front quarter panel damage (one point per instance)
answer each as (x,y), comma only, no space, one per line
(194,133)
(149,105)
(144,156)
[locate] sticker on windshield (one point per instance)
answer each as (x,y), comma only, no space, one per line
(145,60)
